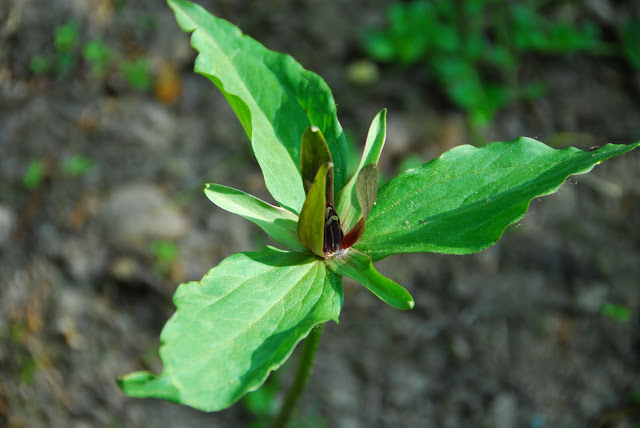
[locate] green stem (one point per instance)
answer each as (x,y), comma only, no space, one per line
(305,365)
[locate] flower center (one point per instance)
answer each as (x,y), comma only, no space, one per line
(332,231)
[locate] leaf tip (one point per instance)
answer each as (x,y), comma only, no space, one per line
(132,383)
(411,304)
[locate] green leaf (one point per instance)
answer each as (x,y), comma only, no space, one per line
(367,188)
(165,251)
(34,174)
(461,202)
(39,64)
(281,225)
(137,73)
(99,56)
(241,321)
(311,223)
(66,36)
(314,153)
(347,205)
(358,267)
(272,95)
(77,165)
(617,313)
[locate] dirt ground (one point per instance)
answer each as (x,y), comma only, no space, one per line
(510,337)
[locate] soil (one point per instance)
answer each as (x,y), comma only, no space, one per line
(513,336)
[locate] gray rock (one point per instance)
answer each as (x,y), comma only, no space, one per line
(7,222)
(590,299)
(86,258)
(138,213)
(504,411)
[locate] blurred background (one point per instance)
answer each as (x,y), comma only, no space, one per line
(106,137)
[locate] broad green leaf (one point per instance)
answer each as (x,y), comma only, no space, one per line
(311,223)
(347,204)
(274,98)
(314,153)
(241,321)
(281,225)
(367,188)
(461,202)
(358,267)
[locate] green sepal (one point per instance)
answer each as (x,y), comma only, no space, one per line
(367,188)
(311,223)
(347,205)
(281,225)
(314,153)
(358,266)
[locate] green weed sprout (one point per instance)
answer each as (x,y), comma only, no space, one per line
(630,43)
(33,175)
(137,73)
(246,316)
(66,38)
(165,253)
(100,58)
(77,165)
(473,48)
(617,313)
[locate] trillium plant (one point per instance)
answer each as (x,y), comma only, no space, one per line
(246,316)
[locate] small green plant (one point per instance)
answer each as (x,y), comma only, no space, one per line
(246,316)
(473,48)
(618,313)
(39,64)
(165,253)
(630,42)
(33,176)
(137,74)
(66,38)
(76,165)
(100,58)
(262,402)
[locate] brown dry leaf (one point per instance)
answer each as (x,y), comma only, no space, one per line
(84,209)
(168,84)
(34,309)
(87,121)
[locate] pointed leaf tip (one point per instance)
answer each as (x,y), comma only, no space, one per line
(347,204)
(280,224)
(314,152)
(461,202)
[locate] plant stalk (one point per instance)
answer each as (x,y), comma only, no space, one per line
(307,355)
